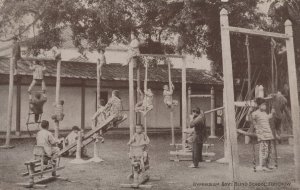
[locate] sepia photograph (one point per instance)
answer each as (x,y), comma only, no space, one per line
(149,94)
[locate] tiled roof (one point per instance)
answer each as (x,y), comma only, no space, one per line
(71,69)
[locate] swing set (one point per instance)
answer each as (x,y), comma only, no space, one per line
(229,93)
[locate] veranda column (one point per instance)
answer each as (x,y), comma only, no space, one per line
(293,96)
(213,114)
(229,98)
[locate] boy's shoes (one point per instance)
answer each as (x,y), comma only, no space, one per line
(193,166)
(260,168)
(272,167)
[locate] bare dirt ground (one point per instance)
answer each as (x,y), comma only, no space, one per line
(110,174)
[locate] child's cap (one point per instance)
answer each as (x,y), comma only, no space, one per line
(260,101)
(75,128)
(196,110)
(45,124)
(62,102)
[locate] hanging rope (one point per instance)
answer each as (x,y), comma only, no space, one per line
(273,66)
(249,95)
(169,74)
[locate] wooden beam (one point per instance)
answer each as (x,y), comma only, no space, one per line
(292,73)
(213,115)
(256,32)
(57,95)
(162,55)
(131,97)
(10,104)
(18,107)
(183,99)
(229,97)
(200,96)
(83,105)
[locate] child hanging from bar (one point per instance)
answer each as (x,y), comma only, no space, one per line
(139,139)
(168,93)
(38,75)
(145,105)
(261,122)
(36,104)
(59,111)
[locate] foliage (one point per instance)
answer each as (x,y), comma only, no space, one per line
(102,22)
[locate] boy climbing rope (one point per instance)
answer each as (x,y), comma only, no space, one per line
(261,122)
(146,104)
(59,111)
(101,61)
(38,75)
(168,100)
(36,104)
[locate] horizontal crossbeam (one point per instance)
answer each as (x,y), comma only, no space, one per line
(200,96)
(256,32)
(162,55)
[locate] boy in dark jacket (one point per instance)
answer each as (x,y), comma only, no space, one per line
(199,124)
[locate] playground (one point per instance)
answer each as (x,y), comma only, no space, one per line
(108,175)
(252,152)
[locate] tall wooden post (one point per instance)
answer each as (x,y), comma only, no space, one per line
(229,97)
(131,97)
(293,96)
(189,104)
(138,86)
(18,108)
(57,95)
(249,66)
(183,99)
(98,84)
(10,104)
(82,104)
(213,114)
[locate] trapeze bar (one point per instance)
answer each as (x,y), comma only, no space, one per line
(200,96)
(162,55)
(256,32)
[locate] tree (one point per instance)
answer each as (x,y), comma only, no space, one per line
(102,22)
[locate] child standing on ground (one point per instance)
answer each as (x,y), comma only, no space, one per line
(38,75)
(261,122)
(146,104)
(168,93)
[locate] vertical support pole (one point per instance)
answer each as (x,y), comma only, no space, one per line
(138,78)
(189,104)
(145,124)
(10,104)
(131,97)
(83,104)
(293,96)
(18,107)
(172,126)
(249,67)
(57,95)
(98,84)
(183,99)
(229,98)
(78,159)
(213,114)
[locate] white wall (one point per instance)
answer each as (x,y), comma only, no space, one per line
(159,117)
